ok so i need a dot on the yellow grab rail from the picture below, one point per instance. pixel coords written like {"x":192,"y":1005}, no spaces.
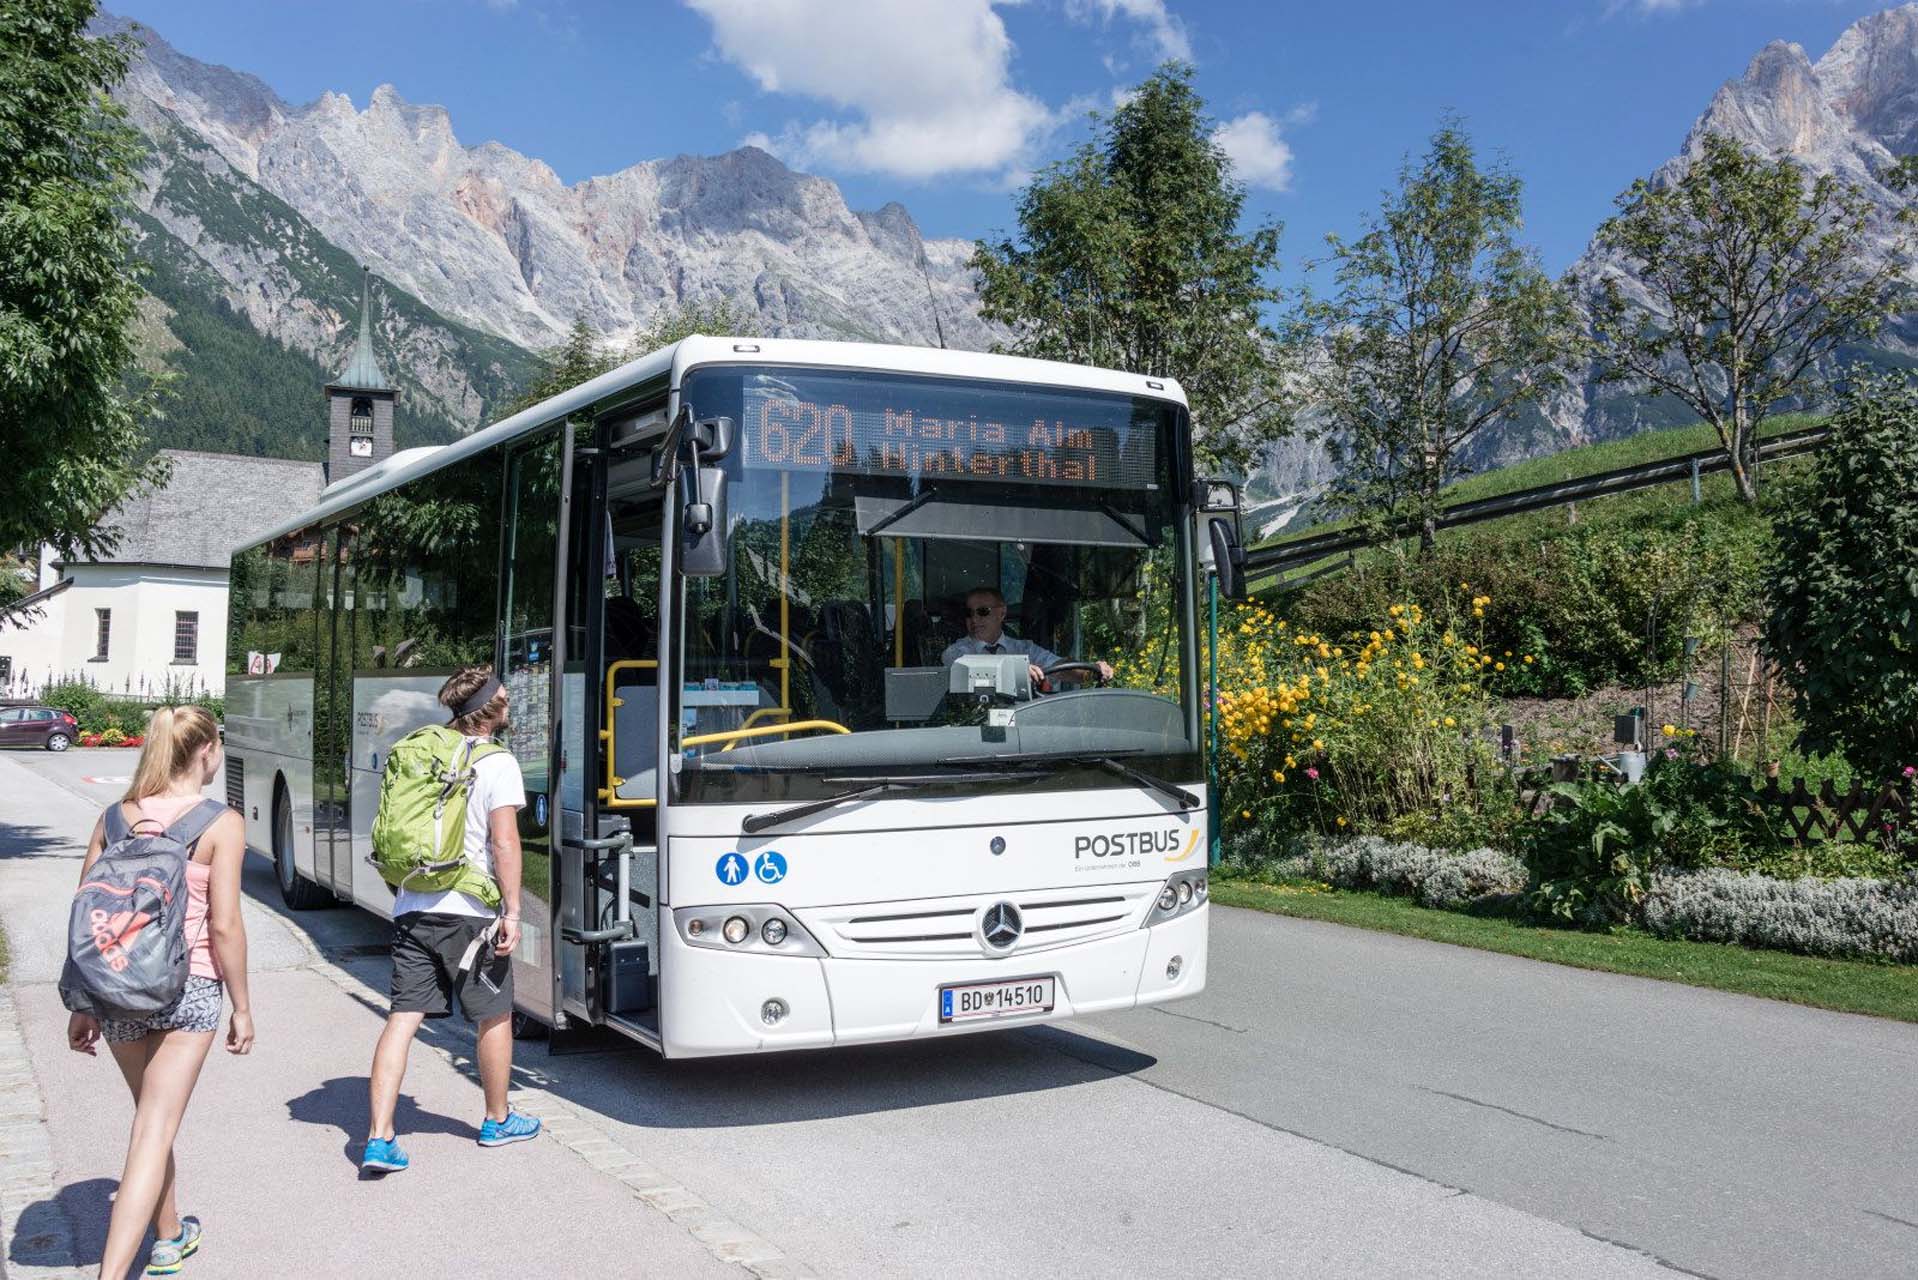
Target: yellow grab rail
{"x":763,"y":713}
{"x":764,"y":730}
{"x":609,"y":794}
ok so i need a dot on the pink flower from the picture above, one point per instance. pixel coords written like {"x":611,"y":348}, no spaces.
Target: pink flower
{"x":1911,"y":770}
{"x":1671,"y":753}
{"x":1312,"y":774}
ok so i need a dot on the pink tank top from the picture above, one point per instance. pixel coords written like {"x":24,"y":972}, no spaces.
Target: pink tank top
{"x":201,"y":962}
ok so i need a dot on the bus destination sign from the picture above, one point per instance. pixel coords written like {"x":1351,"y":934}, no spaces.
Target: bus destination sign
{"x":900,"y":427}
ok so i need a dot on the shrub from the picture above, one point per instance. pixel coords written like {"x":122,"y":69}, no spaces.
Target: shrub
{"x":1578,"y":597}
{"x":1379,"y":730}
{"x":1592,"y":855}
{"x":1446,"y":879}
{"x":1872,"y":919}
{"x":1842,"y":586}
{"x":82,"y":700}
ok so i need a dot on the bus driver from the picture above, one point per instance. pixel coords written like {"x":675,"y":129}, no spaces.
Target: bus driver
{"x":985,"y":633}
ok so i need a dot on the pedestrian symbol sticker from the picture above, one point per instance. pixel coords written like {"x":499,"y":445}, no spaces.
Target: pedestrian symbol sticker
{"x":731,"y":869}
{"x":770,"y":867}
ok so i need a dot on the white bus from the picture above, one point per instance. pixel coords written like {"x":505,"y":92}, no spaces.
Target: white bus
{"x":768,"y":807}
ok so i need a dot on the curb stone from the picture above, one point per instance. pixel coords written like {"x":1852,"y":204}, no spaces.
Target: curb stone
{"x":26,"y":1154}
{"x":725,"y":1239}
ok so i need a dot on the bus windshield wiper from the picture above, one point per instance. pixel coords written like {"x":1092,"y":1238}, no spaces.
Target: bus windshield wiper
{"x":1109,"y":761}
{"x":757,"y":822}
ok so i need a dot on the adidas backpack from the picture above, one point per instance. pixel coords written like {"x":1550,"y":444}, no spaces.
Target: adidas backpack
{"x":126,"y":934}
{"x":419,"y":831}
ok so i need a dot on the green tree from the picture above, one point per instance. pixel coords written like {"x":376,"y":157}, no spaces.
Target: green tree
{"x":581,"y":358}
{"x":1132,"y":258}
{"x":1742,"y":276}
{"x":71,"y":401}
{"x":1842,"y":583}
{"x":1438,"y":323}
{"x":716,"y":317}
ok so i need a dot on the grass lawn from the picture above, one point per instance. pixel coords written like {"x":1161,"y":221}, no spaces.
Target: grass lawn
{"x":1850,"y":986}
{"x":1586,"y":460}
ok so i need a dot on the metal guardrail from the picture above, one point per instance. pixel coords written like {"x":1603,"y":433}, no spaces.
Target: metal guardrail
{"x":1263,"y":562}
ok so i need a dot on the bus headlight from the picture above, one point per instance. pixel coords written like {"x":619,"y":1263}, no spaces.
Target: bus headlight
{"x":1183,"y":891}
{"x":749,"y":928}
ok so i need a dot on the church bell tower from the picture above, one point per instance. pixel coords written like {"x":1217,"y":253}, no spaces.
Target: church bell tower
{"x":359,"y":404}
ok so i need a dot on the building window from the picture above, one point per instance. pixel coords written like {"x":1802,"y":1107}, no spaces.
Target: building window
{"x":103,"y":632}
{"x":186,"y":637}
{"x":6,"y":671}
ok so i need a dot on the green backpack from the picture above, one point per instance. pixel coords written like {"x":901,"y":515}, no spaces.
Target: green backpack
{"x":419,"y":832}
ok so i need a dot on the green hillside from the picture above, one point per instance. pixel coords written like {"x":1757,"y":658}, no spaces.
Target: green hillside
{"x":240,"y":391}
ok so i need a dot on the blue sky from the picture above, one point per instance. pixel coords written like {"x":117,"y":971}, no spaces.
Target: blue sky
{"x":946,"y":105}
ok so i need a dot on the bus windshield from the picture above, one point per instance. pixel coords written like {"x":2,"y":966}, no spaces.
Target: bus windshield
{"x":935,"y":574}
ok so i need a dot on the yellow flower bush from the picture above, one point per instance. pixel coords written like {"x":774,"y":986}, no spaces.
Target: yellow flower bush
{"x":1361,"y":731}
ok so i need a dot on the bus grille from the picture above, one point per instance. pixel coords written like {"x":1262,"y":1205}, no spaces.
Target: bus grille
{"x":947,"y":928}
{"x":236,"y":782}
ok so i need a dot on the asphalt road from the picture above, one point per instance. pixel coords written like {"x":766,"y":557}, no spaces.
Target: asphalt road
{"x":1338,"y":1103}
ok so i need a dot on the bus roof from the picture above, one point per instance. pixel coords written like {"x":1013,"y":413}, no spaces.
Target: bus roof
{"x":689,"y":353}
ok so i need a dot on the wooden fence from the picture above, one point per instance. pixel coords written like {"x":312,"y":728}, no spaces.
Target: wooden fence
{"x":1804,"y":814}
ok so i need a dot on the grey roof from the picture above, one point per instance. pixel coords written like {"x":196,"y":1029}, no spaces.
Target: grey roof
{"x":363,"y":372}
{"x":212,"y":504}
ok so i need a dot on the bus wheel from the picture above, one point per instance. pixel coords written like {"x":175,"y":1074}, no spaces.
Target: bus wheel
{"x":528,"y":1028}
{"x":299,"y":893}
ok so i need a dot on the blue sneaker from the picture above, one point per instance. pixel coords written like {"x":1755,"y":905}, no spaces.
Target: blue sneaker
{"x":168,"y":1256}
{"x":383,"y":1155}
{"x":514,"y":1128}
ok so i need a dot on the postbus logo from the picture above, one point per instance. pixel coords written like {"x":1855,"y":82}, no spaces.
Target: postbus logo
{"x":1176,"y":845}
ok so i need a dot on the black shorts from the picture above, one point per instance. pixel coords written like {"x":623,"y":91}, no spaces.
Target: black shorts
{"x":427,"y":947}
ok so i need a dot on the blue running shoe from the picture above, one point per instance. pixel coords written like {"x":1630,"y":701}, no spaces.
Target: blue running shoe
{"x":514,"y":1128}
{"x":383,"y":1155}
{"x":168,"y":1256}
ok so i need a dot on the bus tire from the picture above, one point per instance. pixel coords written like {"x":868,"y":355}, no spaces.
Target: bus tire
{"x":299,"y":893}
{"x":527,"y":1027}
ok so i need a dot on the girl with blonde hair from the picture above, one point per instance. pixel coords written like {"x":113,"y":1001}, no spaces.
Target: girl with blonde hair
{"x":160,"y":1055}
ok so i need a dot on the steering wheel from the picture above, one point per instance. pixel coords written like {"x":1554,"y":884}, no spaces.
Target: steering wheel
{"x":1082,"y":668}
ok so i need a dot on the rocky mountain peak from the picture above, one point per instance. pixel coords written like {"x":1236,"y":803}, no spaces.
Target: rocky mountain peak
{"x":1871,"y":75}
{"x":494,"y":238}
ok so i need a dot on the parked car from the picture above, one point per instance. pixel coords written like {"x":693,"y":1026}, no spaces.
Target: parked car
{"x":47,"y":727}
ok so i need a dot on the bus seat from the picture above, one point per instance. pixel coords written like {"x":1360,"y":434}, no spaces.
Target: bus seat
{"x":636,"y":740}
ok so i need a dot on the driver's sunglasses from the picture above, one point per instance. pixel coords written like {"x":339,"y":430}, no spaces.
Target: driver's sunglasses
{"x":982,"y":611}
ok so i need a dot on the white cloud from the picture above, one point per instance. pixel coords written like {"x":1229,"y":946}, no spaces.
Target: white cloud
{"x":927,"y":87}
{"x":1648,"y":8}
{"x":1260,"y":157}
{"x":1164,"y":30}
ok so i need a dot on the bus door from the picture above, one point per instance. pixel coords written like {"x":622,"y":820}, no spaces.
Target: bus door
{"x":332,"y":718}
{"x":620,"y":963}
{"x":544,"y":732}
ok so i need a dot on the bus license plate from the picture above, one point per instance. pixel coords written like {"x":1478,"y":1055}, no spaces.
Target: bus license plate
{"x":995,"y":999}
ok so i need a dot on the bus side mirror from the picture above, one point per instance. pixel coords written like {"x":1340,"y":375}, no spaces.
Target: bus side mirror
{"x":714,"y":436}
{"x":703,"y":524}
{"x":1228,"y":557}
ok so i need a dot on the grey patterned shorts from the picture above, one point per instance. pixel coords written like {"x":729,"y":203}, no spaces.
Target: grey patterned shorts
{"x":196,"y":1009}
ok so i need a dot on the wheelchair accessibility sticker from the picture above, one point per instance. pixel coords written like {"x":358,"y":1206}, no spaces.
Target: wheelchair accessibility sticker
{"x":731,"y":869}
{"x":770,"y":867}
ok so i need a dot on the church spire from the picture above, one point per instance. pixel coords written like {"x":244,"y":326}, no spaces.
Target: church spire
{"x":363,"y":371}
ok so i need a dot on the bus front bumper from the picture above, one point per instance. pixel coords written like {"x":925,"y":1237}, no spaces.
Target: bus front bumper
{"x":717,"y":1001}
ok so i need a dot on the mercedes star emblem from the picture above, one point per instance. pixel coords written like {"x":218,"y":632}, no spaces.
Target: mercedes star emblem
{"x":1001,"y":926}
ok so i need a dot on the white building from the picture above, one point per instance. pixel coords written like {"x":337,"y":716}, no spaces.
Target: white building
{"x":149,"y":618}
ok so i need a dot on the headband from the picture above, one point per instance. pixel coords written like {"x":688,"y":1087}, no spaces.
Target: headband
{"x":479,"y":700}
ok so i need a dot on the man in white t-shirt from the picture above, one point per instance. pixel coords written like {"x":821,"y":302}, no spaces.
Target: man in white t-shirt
{"x":449,"y":943}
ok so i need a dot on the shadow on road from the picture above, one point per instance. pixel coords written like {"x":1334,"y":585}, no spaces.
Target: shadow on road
{"x":341,"y":1102}
{"x":18,"y":841}
{"x":643,"y":1089}
{"x":84,"y":1207}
